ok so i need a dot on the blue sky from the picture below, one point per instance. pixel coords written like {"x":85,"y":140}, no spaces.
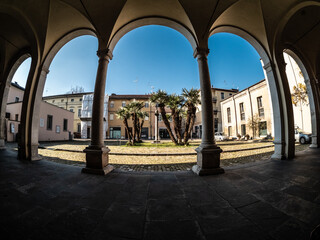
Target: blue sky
{"x":151,"y":58}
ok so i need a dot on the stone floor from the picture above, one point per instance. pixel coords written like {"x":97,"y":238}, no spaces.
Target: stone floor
{"x":270,"y":200}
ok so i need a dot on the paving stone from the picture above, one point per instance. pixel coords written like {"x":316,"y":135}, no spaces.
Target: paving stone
{"x":173,"y":230}
{"x":304,"y":193}
{"x":264,"y":215}
{"x":168,"y":210}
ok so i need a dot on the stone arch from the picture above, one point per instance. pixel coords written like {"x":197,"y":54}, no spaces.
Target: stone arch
{"x":268,"y":66}
{"x":32,"y":128}
{"x":153,"y":21}
{"x":5,"y":91}
{"x":311,"y":95}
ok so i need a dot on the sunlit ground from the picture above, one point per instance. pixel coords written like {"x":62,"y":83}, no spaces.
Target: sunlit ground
{"x":264,"y":151}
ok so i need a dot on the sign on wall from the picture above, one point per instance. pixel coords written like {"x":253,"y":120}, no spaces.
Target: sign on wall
{"x":57,"y":129}
{"x":41,"y":122}
{"x":12,"y":127}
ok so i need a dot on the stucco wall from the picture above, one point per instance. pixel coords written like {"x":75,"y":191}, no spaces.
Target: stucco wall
{"x":59,"y":115}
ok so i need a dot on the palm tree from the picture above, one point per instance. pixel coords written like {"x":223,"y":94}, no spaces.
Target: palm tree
{"x":160,"y":98}
{"x":124,"y":114}
{"x":192,"y":99}
{"x":176,"y":103}
{"x":142,"y":116}
{"x":134,"y":110}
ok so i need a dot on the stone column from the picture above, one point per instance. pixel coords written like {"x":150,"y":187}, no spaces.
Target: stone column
{"x":279,"y":143}
{"x":97,"y":157}
{"x":208,"y":153}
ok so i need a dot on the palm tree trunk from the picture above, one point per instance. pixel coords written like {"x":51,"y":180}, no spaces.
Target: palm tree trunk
{"x":140,"y":129}
{"x":125,"y":122}
{"x":193,"y":115}
{"x":134,"y":128}
{"x":186,"y":131}
{"x":167,"y":124}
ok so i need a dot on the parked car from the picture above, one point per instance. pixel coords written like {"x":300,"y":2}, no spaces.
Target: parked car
{"x":219,"y":136}
{"x":302,"y":137}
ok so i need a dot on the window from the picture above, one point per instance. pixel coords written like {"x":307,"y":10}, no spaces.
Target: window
{"x":242,"y":114}
{"x":112,"y":104}
{"x":260,"y":107}
{"x":263,"y":128}
{"x":57,"y":129}
{"x":229,"y":115}
{"x":79,"y":112}
{"x":79,"y":127}
{"x":17,"y":117}
{"x":80,"y":99}
{"x":222,"y":95}
{"x":72,"y":100}
{"x":230,"y":94}
{"x":123,"y":104}
{"x":8,"y":115}
{"x":146,"y":104}
{"x":111,"y":116}
{"x":65,"y":124}
{"x":216,"y":121}
{"x":243,"y":129}
{"x":62,"y":100}
{"x":71,"y":109}
{"x":146,"y":118}
{"x":229,"y":131}
{"x":160,"y":118}
{"x":215,"y":111}
{"x":49,"y":122}
{"x":17,"y":99}
{"x":53,"y":101}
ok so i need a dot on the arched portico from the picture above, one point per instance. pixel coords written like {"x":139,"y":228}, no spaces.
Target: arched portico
{"x":273,"y":84}
{"x":4,"y":90}
{"x":28,"y":147}
{"x":208,"y":153}
{"x":310,"y":84}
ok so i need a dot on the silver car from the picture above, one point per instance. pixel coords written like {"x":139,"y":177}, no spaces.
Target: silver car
{"x":302,"y":137}
{"x":219,"y":136}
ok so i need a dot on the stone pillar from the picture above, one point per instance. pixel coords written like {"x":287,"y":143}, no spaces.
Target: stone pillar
{"x":279,"y":143}
{"x":208,"y":153}
{"x":97,"y":157}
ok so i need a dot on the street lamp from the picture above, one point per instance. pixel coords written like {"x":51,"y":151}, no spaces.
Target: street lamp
{"x":156,"y":128}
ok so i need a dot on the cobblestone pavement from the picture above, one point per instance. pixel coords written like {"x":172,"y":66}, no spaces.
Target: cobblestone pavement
{"x":272,"y":200}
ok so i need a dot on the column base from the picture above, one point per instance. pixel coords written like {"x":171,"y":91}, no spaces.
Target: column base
{"x":97,"y":161}
{"x":203,"y":172}
{"x":278,"y":155}
{"x":34,"y":153}
{"x":2,"y":144}
{"x":208,"y":160}
{"x":103,"y":171}
{"x":314,"y":142}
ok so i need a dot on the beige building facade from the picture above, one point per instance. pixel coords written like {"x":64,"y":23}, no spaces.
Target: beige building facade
{"x":218,"y":95}
{"x":116,"y":129}
{"x":71,"y":102}
{"x":56,"y":124}
{"x":250,"y":103}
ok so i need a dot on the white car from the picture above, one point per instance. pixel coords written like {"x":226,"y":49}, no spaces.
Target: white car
{"x":219,"y":136}
{"x":301,"y":136}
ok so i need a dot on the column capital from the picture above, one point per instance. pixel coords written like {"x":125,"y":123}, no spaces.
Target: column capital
{"x":45,"y":70}
{"x":105,"y":53}
{"x":200,"y":52}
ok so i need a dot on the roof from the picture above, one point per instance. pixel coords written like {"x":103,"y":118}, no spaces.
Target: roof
{"x":129,"y":96}
{"x":67,"y":95}
{"x":247,"y":88}
{"x":15,"y":84}
{"x":225,"y":90}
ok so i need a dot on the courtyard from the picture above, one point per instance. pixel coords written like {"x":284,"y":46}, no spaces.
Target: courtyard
{"x":158,"y":157}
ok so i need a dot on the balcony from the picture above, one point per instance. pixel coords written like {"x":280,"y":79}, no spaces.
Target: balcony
{"x":214,"y":99}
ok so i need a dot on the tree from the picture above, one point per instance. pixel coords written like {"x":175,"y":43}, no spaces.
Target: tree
{"x":124,"y":114}
{"x":142,"y":116}
{"x":192,"y":99}
{"x":300,"y":97}
{"x":176,"y":103}
{"x":253,"y":124}
{"x":160,"y":98}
